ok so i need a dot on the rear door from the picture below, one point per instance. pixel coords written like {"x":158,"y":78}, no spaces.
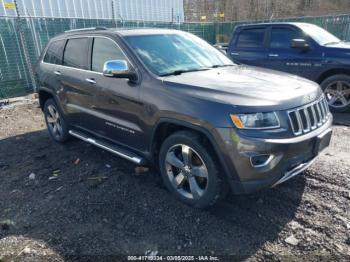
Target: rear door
{"x":47,"y":74}
{"x":282,"y":57}
{"x":249,"y":47}
{"x":77,"y":94}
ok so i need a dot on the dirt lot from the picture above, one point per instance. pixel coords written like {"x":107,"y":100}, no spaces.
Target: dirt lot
{"x":56,"y":207}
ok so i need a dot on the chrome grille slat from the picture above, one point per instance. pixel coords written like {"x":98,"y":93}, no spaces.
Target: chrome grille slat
{"x":326,"y":107}
{"x":319,"y":114}
{"x":307,"y":118}
{"x":299,"y":121}
{"x":321,"y":111}
{"x":324,"y":114}
{"x":314,"y":125}
{"x":295,"y":126}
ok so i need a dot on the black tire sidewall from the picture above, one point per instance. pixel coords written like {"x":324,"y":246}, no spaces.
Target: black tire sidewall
{"x":329,"y":80}
{"x":65,"y":128}
{"x":212,"y":193}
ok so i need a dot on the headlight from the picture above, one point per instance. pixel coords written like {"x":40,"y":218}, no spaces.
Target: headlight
{"x":256,"y":121}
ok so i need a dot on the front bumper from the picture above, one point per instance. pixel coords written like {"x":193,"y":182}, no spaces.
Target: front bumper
{"x":295,"y":171}
{"x":289,"y":157}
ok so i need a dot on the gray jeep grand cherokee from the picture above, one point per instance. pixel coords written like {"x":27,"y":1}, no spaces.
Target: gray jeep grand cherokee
{"x":169,"y":98}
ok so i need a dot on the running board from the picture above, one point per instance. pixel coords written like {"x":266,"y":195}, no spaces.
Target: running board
{"x":109,"y":147}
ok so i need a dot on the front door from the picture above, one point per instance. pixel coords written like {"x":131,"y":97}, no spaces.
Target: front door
{"x":117,"y":104}
{"x":282,"y":57}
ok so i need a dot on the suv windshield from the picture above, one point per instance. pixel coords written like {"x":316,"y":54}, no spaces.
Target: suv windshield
{"x":320,"y":35}
{"x":168,"y":54}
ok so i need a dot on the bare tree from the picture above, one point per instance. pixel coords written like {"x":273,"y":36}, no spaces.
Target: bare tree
{"x":261,"y":9}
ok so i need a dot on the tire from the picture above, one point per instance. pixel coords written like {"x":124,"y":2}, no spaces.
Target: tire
{"x":337,"y":92}
{"x":55,"y":122}
{"x":199,"y":183}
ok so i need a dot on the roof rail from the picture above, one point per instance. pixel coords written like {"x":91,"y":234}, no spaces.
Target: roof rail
{"x":87,"y":29}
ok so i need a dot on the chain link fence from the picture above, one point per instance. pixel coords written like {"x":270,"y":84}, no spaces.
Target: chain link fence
{"x":16,"y":78}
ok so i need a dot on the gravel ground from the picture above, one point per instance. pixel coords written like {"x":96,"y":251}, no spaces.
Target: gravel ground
{"x":77,"y":202}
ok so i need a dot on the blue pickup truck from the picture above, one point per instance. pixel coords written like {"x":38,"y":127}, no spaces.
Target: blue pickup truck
{"x":302,"y":49}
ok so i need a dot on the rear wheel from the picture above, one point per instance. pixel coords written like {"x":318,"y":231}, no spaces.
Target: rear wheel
{"x":189,"y":170}
{"x":337,"y":91}
{"x":56,"y":124}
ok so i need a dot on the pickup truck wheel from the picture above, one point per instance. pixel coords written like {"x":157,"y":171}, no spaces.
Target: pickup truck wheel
{"x":190,"y":171}
{"x":337,"y":91}
{"x":57,"y":126}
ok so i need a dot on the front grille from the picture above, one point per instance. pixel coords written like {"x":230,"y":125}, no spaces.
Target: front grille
{"x":310,"y":117}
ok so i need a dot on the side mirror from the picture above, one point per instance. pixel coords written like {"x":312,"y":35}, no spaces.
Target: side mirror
{"x":222,"y":47}
{"x":299,"y":43}
{"x":118,"y":69}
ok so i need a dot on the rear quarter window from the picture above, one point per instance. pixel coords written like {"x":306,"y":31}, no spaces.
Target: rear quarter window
{"x":76,"y":53}
{"x":251,"y":38}
{"x":54,"y":52}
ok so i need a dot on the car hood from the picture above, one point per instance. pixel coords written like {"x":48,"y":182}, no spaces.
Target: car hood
{"x":342,"y":45}
{"x":248,"y":87}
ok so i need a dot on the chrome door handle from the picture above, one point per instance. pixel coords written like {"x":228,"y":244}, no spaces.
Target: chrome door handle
{"x":58,"y":73}
{"x":235,"y":54}
{"x":90,"y":80}
{"x":274,"y":55}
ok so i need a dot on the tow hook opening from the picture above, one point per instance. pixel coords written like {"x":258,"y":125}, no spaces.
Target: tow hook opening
{"x":259,"y":161}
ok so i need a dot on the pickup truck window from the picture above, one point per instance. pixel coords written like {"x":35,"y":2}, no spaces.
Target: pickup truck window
{"x":54,"y":52}
{"x":282,"y":37}
{"x":176,"y":53}
{"x":103,"y":50}
{"x":75,"y":54}
{"x":251,"y":38}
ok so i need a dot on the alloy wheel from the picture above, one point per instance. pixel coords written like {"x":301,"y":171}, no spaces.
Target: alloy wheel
{"x":186,"y":171}
{"x":338,"y":94}
{"x":54,"y":121}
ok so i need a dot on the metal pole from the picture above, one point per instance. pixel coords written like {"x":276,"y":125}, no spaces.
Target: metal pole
{"x":24,"y":47}
{"x":113,"y":15}
{"x":172,"y":15}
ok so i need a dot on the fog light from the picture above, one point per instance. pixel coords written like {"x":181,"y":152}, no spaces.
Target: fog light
{"x":261,"y":160}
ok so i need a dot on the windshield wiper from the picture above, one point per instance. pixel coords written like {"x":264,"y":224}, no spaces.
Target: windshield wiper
{"x":179,"y":72}
{"x":333,"y":43}
{"x":217,"y":66}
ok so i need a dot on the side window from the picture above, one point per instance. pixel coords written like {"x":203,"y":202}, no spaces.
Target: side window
{"x":76,"y":53}
{"x":282,"y":37}
{"x":251,"y":38}
{"x":54,"y":52}
{"x":103,"y":50}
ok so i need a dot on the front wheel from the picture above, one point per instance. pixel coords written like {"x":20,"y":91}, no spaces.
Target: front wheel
{"x":337,"y":91}
{"x":189,"y":170}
